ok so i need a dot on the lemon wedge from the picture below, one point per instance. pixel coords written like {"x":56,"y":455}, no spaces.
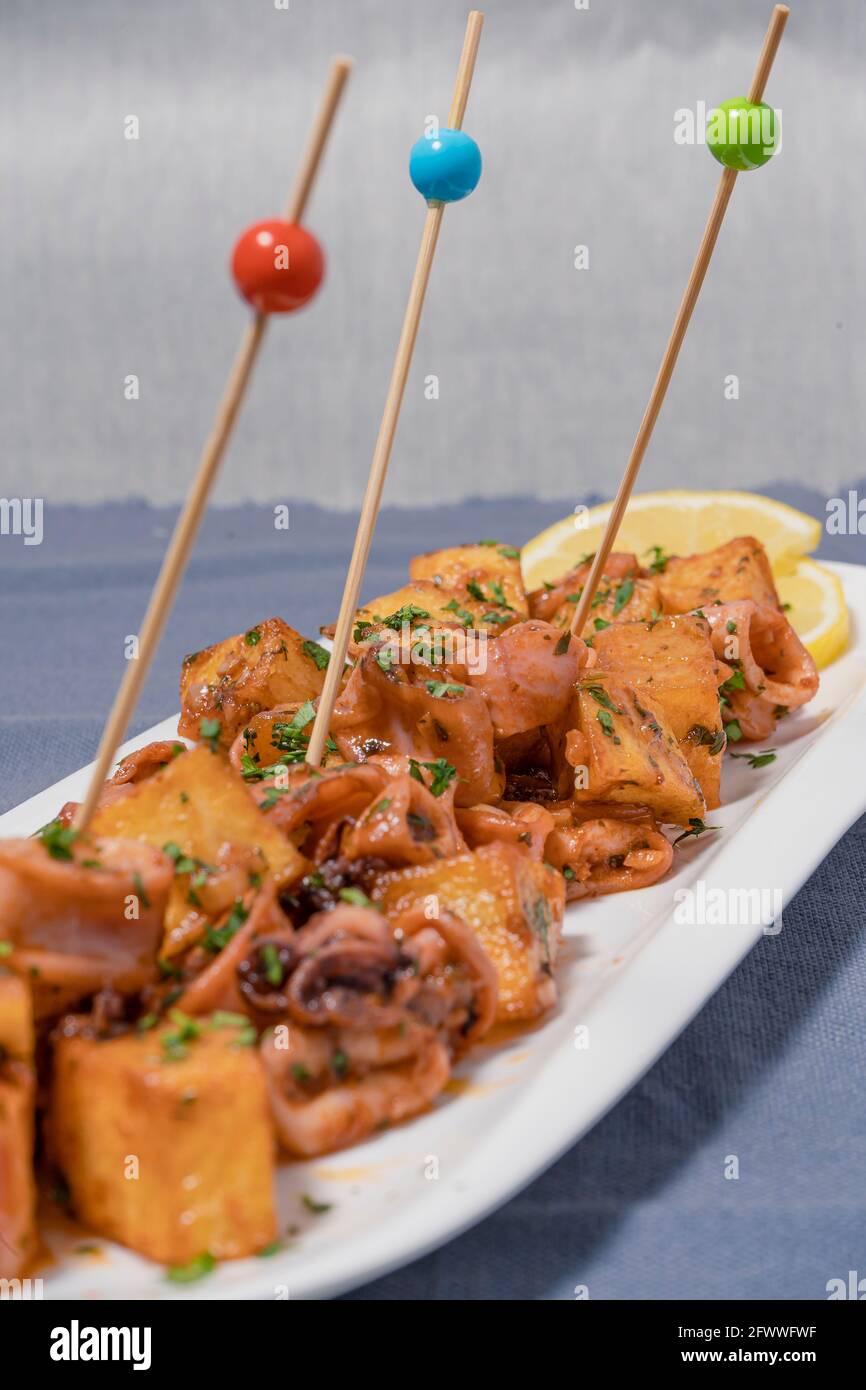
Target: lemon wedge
{"x":682,"y":523}
{"x":816,"y":609}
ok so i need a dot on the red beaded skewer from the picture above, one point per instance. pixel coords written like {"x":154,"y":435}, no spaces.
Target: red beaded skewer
{"x":278,"y":267}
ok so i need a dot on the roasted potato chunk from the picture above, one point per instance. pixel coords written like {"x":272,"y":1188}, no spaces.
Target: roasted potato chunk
{"x":18,"y":1236}
{"x":673,"y":660}
{"x":198,"y":811}
{"x":739,"y":569}
{"x":616,"y":601}
{"x":623,"y":750}
{"x":426,"y":607}
{"x":487,"y":573}
{"x":165,"y":1139}
{"x":514,"y":904}
{"x":269,"y":665}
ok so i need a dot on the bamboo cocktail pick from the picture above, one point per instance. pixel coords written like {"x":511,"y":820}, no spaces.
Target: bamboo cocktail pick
{"x":445,"y":169}
{"x":725,"y":188}
{"x":270,"y":288}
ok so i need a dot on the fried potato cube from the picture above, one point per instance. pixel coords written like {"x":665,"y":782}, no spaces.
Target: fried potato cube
{"x":616,"y":601}
{"x":739,"y":569}
{"x":167,"y":1146}
{"x":18,"y":1235}
{"x":424,"y":604}
{"x":199,"y":807}
{"x":489,"y":574}
{"x":673,"y":660}
{"x":269,"y":665}
{"x":512,"y":903}
{"x":623,"y":750}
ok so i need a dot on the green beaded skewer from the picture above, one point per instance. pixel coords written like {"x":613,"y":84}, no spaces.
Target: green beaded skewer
{"x":733,"y":143}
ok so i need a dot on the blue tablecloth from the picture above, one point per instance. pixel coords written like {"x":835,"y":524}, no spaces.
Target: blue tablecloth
{"x":774,"y":1068}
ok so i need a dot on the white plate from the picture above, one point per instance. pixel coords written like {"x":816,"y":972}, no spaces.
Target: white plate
{"x":630,"y":974}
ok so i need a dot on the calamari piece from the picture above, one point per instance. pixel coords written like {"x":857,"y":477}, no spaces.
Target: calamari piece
{"x":81,"y":914}
{"x":215,"y":834}
{"x":531,"y":671}
{"x":739,"y":569}
{"x":489,"y":574}
{"x":421,"y":712}
{"x":547,"y":601}
{"x":623,"y":749}
{"x":408,"y":824}
{"x":315,"y":1114}
{"x":760,"y":643}
{"x":374,"y":1018}
{"x":609,"y":855}
{"x":144,"y":762}
{"x":525,"y":825}
{"x":749,"y":716}
{"x":209,"y":972}
{"x":672,"y":659}
{"x":307,"y":810}
{"x":227,"y":684}
{"x":512,"y":903}
{"x":18,"y":1234}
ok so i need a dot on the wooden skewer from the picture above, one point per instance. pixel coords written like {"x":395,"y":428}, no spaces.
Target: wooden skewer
{"x":390,"y":415}
{"x":186,"y":527}
{"x":724,"y":190}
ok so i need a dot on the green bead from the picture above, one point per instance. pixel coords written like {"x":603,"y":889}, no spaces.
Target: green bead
{"x":742,"y":134}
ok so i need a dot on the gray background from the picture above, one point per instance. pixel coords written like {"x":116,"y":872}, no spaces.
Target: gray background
{"x":114,"y":252}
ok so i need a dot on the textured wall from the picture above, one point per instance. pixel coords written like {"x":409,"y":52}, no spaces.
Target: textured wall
{"x":114,"y":251}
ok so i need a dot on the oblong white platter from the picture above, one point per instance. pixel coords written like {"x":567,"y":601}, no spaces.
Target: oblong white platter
{"x":632,"y":975}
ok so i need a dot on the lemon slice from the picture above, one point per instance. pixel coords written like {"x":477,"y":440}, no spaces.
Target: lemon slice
{"x":818,"y":612}
{"x":682,"y":523}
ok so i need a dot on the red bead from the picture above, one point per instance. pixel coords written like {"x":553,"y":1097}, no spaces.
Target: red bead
{"x":277,"y":266}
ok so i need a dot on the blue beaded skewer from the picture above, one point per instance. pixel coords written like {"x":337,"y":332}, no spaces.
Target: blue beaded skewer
{"x":443,"y":169}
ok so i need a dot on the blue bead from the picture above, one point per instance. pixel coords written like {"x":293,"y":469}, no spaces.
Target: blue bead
{"x":446,"y":167}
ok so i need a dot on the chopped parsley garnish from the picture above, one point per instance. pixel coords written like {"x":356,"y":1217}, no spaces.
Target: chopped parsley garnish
{"x":508,"y":552}
{"x":253,"y":637}
{"x":218,"y":937}
{"x":140,"y":889}
{"x":194,"y":1269}
{"x":316,"y":654}
{"x":5,"y":948}
{"x":600,"y":624}
{"x":439,"y":689}
{"x":271,"y":961}
{"x":462,"y":613}
{"x":730,"y":625}
{"x":58,"y":839}
{"x":174,"y":1045}
{"x":356,"y":897}
{"x":696,"y":827}
{"x":736,"y":681}
{"x":407,"y":614}
{"x":441,"y":772}
{"x":622,"y":595}
{"x":562,"y":645}
{"x":209,"y":731}
{"x":601,"y":697}
{"x":474,"y":589}
{"x":339,"y":1063}
{"x":733,"y":731}
{"x":658,"y":563}
{"x":385,"y":659}
{"x":758,"y":759}
{"x":317,"y":1208}
{"x":605,"y":719}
